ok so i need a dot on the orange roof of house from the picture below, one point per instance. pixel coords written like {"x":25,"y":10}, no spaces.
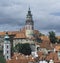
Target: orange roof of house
{"x":57,"y":48}
{"x":46,"y":44}
{"x":40,"y":55}
{"x":36,"y":32}
{"x":20,"y":35}
{"x":2,"y":33}
{"x":45,"y":38}
{"x":9,"y":33}
{"x":53,"y":56}
{"x":20,"y":58}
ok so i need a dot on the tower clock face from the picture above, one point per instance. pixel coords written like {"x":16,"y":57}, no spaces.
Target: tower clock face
{"x":29,"y":32}
{"x":29,"y":18}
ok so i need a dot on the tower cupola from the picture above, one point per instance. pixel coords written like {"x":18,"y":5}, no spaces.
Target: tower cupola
{"x":6,"y":37}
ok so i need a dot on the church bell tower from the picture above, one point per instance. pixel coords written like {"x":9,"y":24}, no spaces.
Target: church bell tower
{"x":7,"y":47}
{"x":29,"y":25}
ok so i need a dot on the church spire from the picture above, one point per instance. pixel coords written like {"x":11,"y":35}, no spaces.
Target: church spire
{"x":29,"y":8}
{"x":29,"y":13}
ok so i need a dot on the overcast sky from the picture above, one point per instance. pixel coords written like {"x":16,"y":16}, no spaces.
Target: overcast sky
{"x":46,"y":14}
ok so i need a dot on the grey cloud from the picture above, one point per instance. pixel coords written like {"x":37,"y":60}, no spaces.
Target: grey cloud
{"x":56,"y":13}
{"x":12,"y":21}
{"x":52,"y":26}
{"x":5,"y":3}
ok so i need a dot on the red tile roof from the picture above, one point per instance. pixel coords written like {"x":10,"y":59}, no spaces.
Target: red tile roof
{"x":20,"y":35}
{"x":45,"y":38}
{"x":57,"y":48}
{"x":19,"y":58}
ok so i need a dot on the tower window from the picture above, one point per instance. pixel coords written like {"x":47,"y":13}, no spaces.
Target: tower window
{"x":32,"y":28}
{"x":7,"y":51}
{"x":7,"y":57}
{"x":7,"y":46}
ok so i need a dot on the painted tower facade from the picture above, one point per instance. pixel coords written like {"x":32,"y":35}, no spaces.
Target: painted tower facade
{"x":7,"y":47}
{"x":29,"y":25}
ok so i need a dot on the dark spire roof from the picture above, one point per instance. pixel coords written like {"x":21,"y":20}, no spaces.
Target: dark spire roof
{"x":29,"y":12}
{"x":29,"y":19}
{"x":29,"y":8}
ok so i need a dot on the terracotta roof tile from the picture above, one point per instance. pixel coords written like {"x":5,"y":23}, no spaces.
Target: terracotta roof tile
{"x":20,"y":35}
{"x":58,"y":37}
{"x":45,"y":38}
{"x":23,"y":59}
{"x":2,"y":33}
{"x":36,"y":32}
{"x":9,"y":33}
{"x":20,"y":59}
{"x":57,"y":48}
{"x":46,"y":45}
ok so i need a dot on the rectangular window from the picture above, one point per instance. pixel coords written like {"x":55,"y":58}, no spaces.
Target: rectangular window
{"x":7,"y":57}
{"x":7,"y":51}
{"x":7,"y":46}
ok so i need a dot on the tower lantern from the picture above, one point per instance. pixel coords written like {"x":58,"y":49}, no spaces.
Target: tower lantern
{"x":7,"y":47}
{"x":29,"y":25}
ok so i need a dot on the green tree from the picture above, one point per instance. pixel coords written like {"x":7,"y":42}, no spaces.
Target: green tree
{"x":41,"y":34}
{"x":23,"y":48}
{"x":52,"y":37}
{"x":2,"y":59}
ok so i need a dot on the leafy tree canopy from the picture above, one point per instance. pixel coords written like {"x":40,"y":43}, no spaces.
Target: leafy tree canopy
{"x":23,"y":48}
{"x":2,"y":60}
{"x":52,"y":37}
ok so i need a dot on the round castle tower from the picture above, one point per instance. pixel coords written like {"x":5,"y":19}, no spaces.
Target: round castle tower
{"x":29,"y":25}
{"x":7,"y":47}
